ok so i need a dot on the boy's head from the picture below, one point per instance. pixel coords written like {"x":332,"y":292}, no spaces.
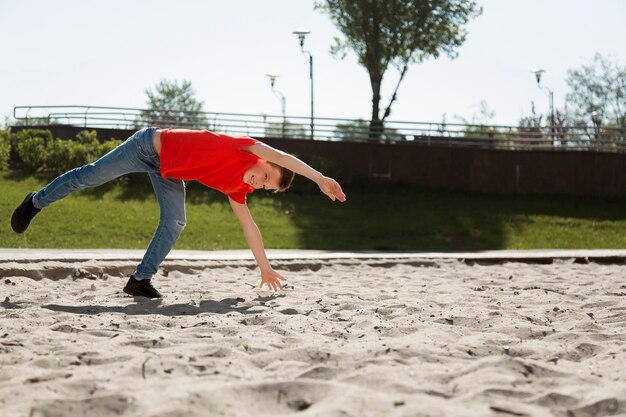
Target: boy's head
{"x":269,"y":176}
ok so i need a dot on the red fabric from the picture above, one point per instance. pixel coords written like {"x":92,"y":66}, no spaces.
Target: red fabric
{"x":216,"y":160}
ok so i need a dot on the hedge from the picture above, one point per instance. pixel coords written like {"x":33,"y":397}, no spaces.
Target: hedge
{"x":5,"y":149}
{"x":37,"y":152}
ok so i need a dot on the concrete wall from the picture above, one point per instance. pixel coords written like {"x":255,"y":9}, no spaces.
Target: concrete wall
{"x":480,"y":170}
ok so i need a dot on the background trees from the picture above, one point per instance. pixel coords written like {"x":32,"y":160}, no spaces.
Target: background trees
{"x":594,"y":111}
{"x":171,"y":104}
{"x":398,"y":33}
{"x":598,"y":93}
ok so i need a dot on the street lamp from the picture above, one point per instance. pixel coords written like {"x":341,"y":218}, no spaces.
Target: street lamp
{"x":538,"y":72}
{"x":273,"y":76}
{"x":302,"y":32}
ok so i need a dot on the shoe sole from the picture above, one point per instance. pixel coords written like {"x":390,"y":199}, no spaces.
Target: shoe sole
{"x":129,"y":292}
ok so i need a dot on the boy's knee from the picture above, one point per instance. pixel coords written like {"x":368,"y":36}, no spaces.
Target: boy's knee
{"x":175,"y":226}
{"x":78,"y":178}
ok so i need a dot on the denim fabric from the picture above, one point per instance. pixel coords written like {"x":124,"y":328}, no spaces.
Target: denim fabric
{"x":136,"y":154}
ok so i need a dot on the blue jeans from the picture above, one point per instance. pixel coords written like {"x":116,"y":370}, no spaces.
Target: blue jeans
{"x":136,"y":154}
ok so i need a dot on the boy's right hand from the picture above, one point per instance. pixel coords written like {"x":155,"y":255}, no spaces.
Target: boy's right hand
{"x":332,"y":189}
{"x":271,"y":278}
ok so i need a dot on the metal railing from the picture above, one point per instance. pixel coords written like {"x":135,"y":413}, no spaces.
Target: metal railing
{"x":587,"y":138}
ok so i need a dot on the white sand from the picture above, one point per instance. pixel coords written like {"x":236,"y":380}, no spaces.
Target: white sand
{"x":346,"y":338}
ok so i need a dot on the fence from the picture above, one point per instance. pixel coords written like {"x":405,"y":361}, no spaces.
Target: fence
{"x":558,"y":138}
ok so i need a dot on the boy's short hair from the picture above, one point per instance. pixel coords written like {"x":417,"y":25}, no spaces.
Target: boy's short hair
{"x":286,"y":177}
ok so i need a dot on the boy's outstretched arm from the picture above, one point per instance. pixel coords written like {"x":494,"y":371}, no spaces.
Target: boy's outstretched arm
{"x":329,"y":186}
{"x":255,"y":241}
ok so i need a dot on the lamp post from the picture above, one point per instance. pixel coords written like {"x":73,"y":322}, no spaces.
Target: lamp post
{"x":264,"y":115}
{"x":538,"y":72}
{"x":302,"y":32}
{"x":283,"y":102}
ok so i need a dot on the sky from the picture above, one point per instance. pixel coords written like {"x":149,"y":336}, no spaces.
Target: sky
{"x":107,"y":53}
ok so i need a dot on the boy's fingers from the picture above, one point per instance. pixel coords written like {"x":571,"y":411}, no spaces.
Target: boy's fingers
{"x":338,"y":191}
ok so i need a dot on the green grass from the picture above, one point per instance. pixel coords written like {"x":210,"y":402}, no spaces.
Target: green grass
{"x":374,"y":217}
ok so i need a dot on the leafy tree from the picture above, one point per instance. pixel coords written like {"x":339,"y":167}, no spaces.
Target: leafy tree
{"x":529,"y":130}
{"x":480,"y":126}
{"x":484,"y":116}
{"x":599,"y":87}
{"x":397,"y":33}
{"x":358,"y":130}
{"x":287,"y":130}
{"x":171,"y":104}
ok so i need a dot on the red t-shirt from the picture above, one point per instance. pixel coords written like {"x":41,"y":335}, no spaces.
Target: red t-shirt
{"x":216,"y":160}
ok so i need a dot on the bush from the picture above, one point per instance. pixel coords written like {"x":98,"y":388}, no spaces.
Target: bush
{"x":63,"y":155}
{"x":89,"y":139}
{"x":5,"y":149}
{"x":32,"y":148}
{"x":41,"y":154}
{"x":106,"y":147}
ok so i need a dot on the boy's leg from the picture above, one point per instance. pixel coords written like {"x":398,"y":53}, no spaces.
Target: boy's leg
{"x":136,"y":154}
{"x":170,"y":194}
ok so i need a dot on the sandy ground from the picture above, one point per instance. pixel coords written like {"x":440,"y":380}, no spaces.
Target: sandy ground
{"x":349,"y":337}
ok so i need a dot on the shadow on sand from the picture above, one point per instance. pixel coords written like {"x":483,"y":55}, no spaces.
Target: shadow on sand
{"x":151,"y":307}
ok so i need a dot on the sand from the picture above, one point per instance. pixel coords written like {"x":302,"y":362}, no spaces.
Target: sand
{"x":347,"y":337}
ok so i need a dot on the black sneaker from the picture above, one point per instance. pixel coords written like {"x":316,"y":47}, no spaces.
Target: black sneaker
{"x":141,"y":288}
{"x":23,"y":214}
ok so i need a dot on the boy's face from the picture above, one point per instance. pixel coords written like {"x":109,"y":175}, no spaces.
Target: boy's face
{"x":262,"y":175}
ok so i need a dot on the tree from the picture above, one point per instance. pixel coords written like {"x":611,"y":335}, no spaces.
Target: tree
{"x":174,"y":105}
{"x":357,"y":130}
{"x":530,"y":131}
{"x":480,"y":126}
{"x":598,"y":91}
{"x":397,"y":33}
{"x":286,"y":130}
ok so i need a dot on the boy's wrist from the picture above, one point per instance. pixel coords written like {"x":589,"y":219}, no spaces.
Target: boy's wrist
{"x":318,"y":177}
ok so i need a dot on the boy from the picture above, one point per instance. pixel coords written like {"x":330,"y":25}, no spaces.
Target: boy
{"x":232,"y":165}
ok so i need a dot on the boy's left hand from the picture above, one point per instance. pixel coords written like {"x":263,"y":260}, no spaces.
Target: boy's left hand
{"x":332,"y":189}
{"x":271,"y":278}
